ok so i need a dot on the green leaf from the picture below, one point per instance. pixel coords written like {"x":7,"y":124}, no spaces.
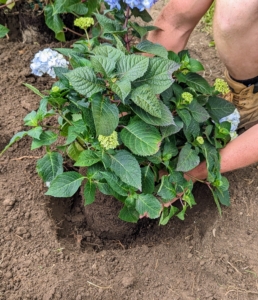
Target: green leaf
{"x":167,"y":214}
{"x":149,"y":47}
{"x":159,"y":74}
{"x":198,"y":112}
{"x":35,"y":132}
{"x":74,"y":131}
{"x":54,"y":22}
{"x":166,"y":118}
{"x":142,"y":31}
{"x":129,"y":214}
{"x":78,"y":8}
{"x":188,"y":159}
{"x":3,"y":31}
{"x":65,"y":184}
{"x":169,"y":148}
{"x":74,"y":150}
{"x":49,"y":166}
{"x":223,"y":196}
{"x":172,"y":129}
{"x":15,"y":138}
{"x":103,"y":65}
{"x":198,"y":83}
{"x":148,"y":179}
{"x":89,"y":192}
{"x":144,"y":97}
{"x":149,"y":206}
{"x":111,"y":53}
{"x":34,"y":90}
{"x":142,"y":139}
{"x":167,"y":190}
{"x":126,"y":167}
{"x":31,"y":119}
{"x":185,"y":116}
{"x":105,"y":115}
{"x":195,"y":65}
{"x":87,"y":158}
{"x":116,"y":184}
{"x":121,"y":88}
{"x":108,"y":25}
{"x":84,"y":81}
{"x":144,"y":15}
{"x":46,"y":138}
{"x":132,"y":67}
{"x":219,"y":108}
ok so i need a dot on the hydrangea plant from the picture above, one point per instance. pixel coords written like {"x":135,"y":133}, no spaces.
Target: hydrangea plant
{"x":126,"y":117}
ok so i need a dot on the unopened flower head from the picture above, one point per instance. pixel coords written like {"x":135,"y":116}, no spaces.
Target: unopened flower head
{"x":221,"y":86}
{"x":84,"y":23}
{"x":140,"y":4}
{"x":44,"y":62}
{"x":109,"y":142}
{"x":187,"y":97}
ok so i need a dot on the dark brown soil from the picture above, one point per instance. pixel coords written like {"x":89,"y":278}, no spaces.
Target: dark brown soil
{"x":48,"y":251}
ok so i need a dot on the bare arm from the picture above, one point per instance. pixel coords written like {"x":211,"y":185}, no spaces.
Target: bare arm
{"x":241,"y":152}
{"x":176,"y":21}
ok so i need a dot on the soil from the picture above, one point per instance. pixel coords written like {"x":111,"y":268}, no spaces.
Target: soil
{"x":48,"y":250}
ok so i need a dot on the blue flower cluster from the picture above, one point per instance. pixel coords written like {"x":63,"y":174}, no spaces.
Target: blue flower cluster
{"x":44,"y":61}
{"x":140,"y":4}
{"x":233,"y":118}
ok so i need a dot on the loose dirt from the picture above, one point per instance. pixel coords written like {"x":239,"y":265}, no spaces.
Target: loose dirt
{"x":48,"y":251}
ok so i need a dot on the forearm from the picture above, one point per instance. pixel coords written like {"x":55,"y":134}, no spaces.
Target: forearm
{"x":240,"y":153}
{"x":176,"y":22}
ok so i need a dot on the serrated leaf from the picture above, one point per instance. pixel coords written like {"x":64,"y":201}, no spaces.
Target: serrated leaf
{"x":185,"y":116}
{"x":121,"y":88}
{"x":167,"y":214}
{"x":148,"y":179}
{"x":105,"y":115}
{"x":188,"y":159}
{"x":219,"y":108}
{"x":109,"y":52}
{"x":167,"y":190}
{"x":34,"y":90}
{"x":15,"y":138}
{"x":46,"y":138}
{"x":115,"y":183}
{"x":74,"y":150}
{"x":144,"y":97}
{"x":103,"y":65}
{"x":54,"y":22}
{"x":195,"y":65}
{"x":3,"y":31}
{"x":142,"y":31}
{"x":149,"y":47}
{"x":84,"y":81}
{"x":74,"y":131}
{"x":166,"y":118}
{"x":132,"y":67}
{"x":159,"y":74}
{"x":198,"y":83}
{"x":149,"y":206}
{"x":129,"y":214}
{"x":89,"y":192}
{"x":50,"y":166}
{"x":126,"y":167}
{"x":87,"y":158}
{"x":142,"y":139}
{"x":78,"y":8}
{"x":31,"y":119}
{"x":172,"y":129}
{"x":65,"y":184}
{"x":108,"y":25}
{"x":35,"y":132}
{"x":198,"y":112}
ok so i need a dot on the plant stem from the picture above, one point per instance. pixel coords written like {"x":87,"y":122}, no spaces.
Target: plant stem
{"x":68,"y":29}
{"x":5,"y":5}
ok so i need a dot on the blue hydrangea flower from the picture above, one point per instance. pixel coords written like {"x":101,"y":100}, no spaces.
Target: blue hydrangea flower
{"x":44,"y":61}
{"x":233,"y":118}
{"x":140,"y":4}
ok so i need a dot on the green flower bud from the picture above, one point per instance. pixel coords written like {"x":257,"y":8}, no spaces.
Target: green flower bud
{"x":221,"y":86}
{"x":200,"y":140}
{"x":187,"y":97}
{"x":185,"y":71}
{"x":83,"y":22}
{"x":223,"y":131}
{"x":109,"y":142}
{"x":55,"y":89}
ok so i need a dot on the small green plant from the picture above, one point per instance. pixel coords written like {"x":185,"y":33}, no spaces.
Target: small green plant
{"x":207,"y":19}
{"x":125,"y":117}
